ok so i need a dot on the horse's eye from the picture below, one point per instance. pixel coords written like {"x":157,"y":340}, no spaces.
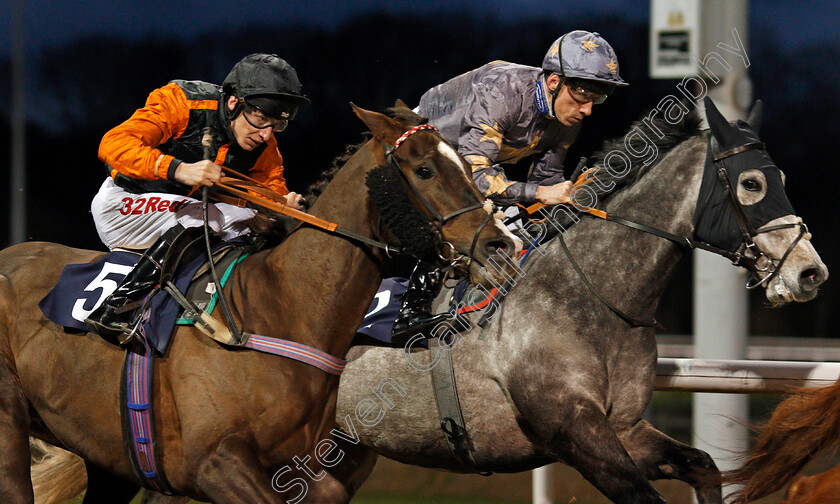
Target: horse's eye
{"x":424,"y":172}
{"x":751,"y":185}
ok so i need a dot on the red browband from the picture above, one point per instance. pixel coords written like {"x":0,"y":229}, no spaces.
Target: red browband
{"x":413,"y":131}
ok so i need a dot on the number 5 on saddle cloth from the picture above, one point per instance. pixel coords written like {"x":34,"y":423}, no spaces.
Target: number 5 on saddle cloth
{"x":82,"y":287}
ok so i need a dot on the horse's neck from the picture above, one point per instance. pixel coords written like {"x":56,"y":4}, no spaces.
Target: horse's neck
{"x":317,"y":285}
{"x":632,"y":267}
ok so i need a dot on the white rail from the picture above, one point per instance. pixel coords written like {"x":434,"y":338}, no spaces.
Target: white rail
{"x":742,"y":376}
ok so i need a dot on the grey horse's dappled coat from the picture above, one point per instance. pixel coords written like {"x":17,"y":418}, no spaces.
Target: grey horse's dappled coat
{"x":570,"y":380}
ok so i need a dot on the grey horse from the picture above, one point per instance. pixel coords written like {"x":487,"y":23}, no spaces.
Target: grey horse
{"x":558,"y":376}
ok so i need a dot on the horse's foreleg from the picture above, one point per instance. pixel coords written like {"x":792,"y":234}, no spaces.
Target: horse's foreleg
{"x":233,"y":475}
{"x":150,"y":497}
{"x":660,"y":457}
{"x":587,"y":442}
{"x":344,"y":479}
{"x":15,"y":483}
{"x":105,"y":488}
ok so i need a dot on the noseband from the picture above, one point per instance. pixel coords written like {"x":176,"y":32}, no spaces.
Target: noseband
{"x":762,"y":267}
{"x":447,"y":253}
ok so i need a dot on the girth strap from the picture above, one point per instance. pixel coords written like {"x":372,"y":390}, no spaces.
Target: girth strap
{"x":296,"y":351}
{"x":138,"y":418}
{"x":275,"y":346}
{"x":449,"y":407}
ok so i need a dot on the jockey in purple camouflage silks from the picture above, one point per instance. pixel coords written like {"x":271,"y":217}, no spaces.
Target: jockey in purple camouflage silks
{"x":503,"y":112}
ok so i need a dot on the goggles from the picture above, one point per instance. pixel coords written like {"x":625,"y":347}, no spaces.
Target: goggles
{"x":582,"y":95}
{"x":257,"y":118}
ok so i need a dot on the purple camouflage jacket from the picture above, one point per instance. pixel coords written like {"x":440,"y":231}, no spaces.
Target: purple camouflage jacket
{"x":498,"y":114}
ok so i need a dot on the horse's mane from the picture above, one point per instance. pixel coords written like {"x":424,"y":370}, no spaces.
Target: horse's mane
{"x":672,"y":135}
{"x":270,"y":232}
{"x":400,"y":112}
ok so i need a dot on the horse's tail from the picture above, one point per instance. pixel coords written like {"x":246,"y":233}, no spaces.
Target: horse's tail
{"x":802,"y":425}
{"x":57,"y":475}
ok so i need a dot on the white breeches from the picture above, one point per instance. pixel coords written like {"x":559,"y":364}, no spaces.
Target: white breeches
{"x":135,"y":221}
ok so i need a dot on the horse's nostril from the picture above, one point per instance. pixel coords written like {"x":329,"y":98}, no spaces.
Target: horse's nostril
{"x":497,"y":246}
{"x":810,"y":278}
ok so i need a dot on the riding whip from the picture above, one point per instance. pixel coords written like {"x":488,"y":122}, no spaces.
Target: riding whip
{"x":206,"y":141}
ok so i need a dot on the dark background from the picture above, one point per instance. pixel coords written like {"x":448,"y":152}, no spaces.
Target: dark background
{"x":85,"y":76}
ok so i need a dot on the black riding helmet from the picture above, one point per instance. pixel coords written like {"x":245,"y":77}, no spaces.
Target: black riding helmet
{"x":267,"y":82}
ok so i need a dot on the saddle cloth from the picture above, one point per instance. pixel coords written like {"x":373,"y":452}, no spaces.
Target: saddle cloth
{"x":380,"y":318}
{"x":379,"y":321}
{"x":81,"y":288}
{"x":463,"y":300}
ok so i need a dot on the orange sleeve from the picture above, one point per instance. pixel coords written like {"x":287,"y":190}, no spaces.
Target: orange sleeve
{"x":269,"y":168}
{"x":131,"y":147}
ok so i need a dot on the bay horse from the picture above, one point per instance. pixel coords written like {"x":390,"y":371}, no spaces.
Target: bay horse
{"x":226,"y":420}
{"x":804,"y":425}
{"x":560,"y":377}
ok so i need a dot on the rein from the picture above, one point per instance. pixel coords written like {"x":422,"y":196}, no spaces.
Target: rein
{"x":242,"y":187}
{"x":238,"y":184}
{"x":238,"y":335}
{"x":749,"y":258}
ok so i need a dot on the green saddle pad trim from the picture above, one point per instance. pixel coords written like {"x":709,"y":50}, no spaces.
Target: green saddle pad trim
{"x":215,"y":298}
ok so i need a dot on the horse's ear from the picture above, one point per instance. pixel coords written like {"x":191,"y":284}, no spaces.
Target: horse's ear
{"x":399,"y":104}
{"x":756,"y":115}
{"x":382,"y":126}
{"x":720,"y":127}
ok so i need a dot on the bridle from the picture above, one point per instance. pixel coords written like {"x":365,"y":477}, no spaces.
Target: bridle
{"x":762,"y":267}
{"x":242,"y":188}
{"x":447,"y":252}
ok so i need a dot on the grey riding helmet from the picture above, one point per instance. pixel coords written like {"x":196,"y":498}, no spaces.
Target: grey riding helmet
{"x":583,"y":55}
{"x":267,"y":82}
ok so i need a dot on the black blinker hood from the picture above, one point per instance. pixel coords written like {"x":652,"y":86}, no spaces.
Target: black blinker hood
{"x":715,"y":219}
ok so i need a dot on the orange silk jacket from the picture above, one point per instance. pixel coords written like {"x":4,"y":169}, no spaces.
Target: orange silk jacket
{"x":142,"y":153}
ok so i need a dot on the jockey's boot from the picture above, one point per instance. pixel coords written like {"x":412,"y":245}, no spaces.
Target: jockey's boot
{"x":117,"y":315}
{"x":415,"y":315}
